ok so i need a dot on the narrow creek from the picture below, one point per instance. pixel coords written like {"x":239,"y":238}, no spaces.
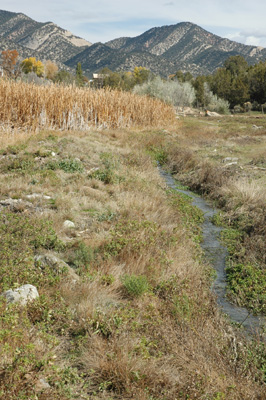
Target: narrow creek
{"x":216,"y":254}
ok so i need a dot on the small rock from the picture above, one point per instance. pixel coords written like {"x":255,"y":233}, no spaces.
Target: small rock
{"x":211,"y":114}
{"x":68,"y":224}
{"x":230,"y":159}
{"x":7,"y":202}
{"x":41,"y":385}
{"x":38,"y":195}
{"x":21,"y":295}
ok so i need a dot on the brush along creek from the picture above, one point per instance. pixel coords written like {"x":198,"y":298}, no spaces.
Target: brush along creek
{"x":216,"y":254}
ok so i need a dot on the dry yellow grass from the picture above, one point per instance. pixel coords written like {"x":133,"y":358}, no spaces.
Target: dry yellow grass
{"x":38,"y":107}
{"x":93,"y":337}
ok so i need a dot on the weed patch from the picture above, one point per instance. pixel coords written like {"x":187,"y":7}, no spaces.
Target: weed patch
{"x":135,"y":286}
{"x":159,"y":154}
{"x":142,"y":242}
{"x":182,"y":306}
{"x":23,"y":164}
{"x":107,"y":174}
{"x":247,"y":285}
{"x":80,"y":256}
{"x":21,"y":237}
{"x":191,"y":216}
{"x":67,"y":165}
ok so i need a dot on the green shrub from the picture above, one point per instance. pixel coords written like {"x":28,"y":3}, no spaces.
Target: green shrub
{"x":213,"y":102}
{"x":135,"y":285}
{"x":158,"y":153}
{"x":107,"y":173}
{"x":80,"y":256}
{"x":179,"y":94}
{"x":21,"y":163}
{"x":68,"y":165}
{"x":107,"y":279}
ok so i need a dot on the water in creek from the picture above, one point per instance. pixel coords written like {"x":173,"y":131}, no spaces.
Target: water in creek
{"x":216,"y":254}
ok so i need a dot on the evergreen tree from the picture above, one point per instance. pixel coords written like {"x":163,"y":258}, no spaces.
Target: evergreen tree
{"x":65,"y":77}
{"x":257,"y":82}
{"x":231,"y":81}
{"x":198,"y":85}
{"x":79,"y":75}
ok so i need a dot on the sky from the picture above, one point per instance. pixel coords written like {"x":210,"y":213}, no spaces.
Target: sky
{"x":103,"y":20}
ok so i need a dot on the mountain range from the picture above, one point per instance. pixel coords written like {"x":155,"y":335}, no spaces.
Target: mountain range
{"x":164,"y":50}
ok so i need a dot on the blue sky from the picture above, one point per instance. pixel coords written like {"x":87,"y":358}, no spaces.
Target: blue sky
{"x":103,"y":20}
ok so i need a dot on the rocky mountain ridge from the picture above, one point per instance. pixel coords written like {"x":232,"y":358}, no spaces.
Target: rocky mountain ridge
{"x":188,"y":47}
{"x":47,"y":40}
{"x":163,"y":50}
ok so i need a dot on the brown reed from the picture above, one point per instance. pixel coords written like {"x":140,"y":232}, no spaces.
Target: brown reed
{"x":35,"y":107}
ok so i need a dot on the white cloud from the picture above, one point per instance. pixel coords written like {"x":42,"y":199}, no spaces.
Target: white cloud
{"x":253,"y":41}
{"x":252,"y":38}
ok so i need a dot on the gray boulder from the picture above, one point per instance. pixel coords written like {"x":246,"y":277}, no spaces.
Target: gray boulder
{"x":55,"y":264}
{"x":51,"y":261}
{"x":22,"y":295}
{"x":211,"y":114}
{"x":19,"y":205}
{"x":68,"y":224}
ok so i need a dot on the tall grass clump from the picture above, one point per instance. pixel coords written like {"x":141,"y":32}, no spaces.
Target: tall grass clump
{"x":33,"y":107}
{"x":176,"y":93}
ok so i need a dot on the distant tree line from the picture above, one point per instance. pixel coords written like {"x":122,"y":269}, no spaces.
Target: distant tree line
{"x":125,"y":80}
{"x":239,"y":83}
{"x":236,"y":85}
{"x":33,"y":70}
{"x":236,"y":82}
